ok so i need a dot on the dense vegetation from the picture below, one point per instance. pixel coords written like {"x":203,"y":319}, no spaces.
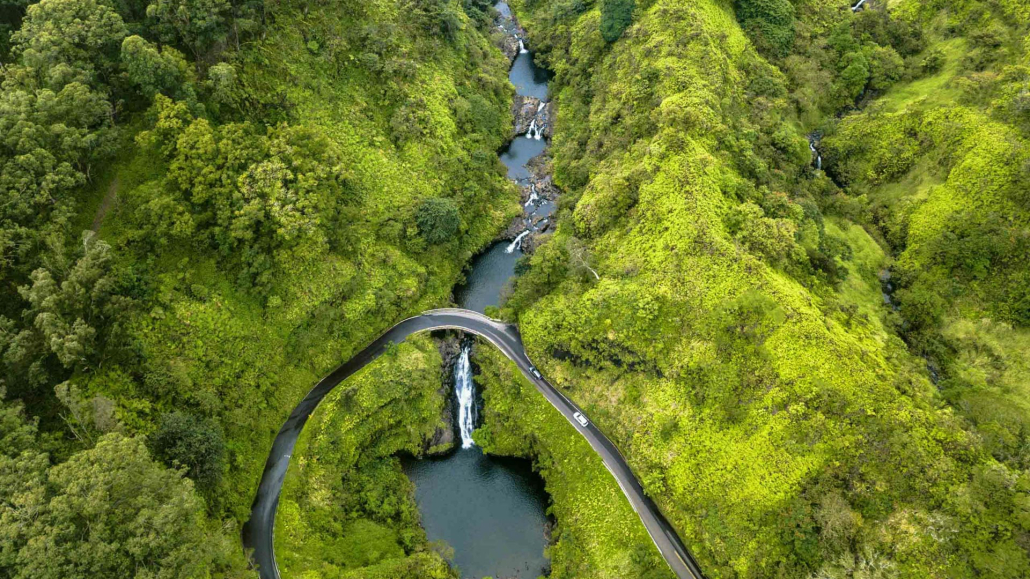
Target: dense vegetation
{"x":737,"y":345}
{"x":205,"y":206}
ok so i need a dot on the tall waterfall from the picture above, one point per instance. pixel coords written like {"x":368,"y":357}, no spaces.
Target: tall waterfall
{"x":465,"y":392}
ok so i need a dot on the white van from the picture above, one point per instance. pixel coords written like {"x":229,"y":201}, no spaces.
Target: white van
{"x":582,"y":420}
{"x":535,"y":372}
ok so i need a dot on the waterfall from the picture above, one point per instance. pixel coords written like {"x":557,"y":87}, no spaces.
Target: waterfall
{"x":818,"y":157}
{"x":465,"y":392}
{"x":522,"y":47}
{"x":540,"y":107}
{"x":517,"y":244}
{"x":857,"y":6}
{"x":532,"y":127}
{"x":532,"y":195}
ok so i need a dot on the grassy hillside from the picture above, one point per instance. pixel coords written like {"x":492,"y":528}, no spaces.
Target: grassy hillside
{"x":950,"y":201}
{"x":736,"y":345}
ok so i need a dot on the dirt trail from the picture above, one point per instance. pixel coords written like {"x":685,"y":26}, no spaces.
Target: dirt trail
{"x":105,"y":205}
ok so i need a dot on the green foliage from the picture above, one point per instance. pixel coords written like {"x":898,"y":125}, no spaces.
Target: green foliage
{"x":346,"y":504}
{"x":262,"y":199}
{"x":197,"y":24}
{"x":785,"y":429}
{"x":193,"y":443}
{"x":108,"y":510}
{"x":438,"y":220}
{"x":616,"y":16}
{"x":769,"y":22}
{"x":154,"y":70}
{"x":437,"y":17}
{"x":83,"y":34}
{"x":71,"y":310}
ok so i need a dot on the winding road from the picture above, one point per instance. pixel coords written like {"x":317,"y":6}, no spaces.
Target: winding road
{"x":258,"y":531}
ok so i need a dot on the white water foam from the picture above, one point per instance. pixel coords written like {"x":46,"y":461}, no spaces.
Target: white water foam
{"x":465,"y":392}
{"x":517,"y":244}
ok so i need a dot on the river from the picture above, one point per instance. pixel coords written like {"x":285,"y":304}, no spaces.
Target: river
{"x":492,"y":510}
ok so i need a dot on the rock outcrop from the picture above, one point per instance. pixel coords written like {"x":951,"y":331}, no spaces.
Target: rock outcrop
{"x":445,"y":437}
{"x":532,"y":114}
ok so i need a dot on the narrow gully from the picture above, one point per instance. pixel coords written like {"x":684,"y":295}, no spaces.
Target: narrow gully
{"x":492,"y":510}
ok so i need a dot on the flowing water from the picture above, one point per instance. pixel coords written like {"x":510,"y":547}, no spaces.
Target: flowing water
{"x":491,"y":510}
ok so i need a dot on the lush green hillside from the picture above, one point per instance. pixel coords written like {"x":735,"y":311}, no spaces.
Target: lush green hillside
{"x":736,"y":344}
{"x":950,"y":199}
{"x":207,"y":205}
{"x":273,"y":185}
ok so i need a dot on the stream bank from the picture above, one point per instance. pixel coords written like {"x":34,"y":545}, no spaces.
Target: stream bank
{"x":493,"y":510}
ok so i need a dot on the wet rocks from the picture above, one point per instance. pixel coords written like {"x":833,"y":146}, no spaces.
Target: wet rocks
{"x":532,"y":116}
{"x":509,"y":45}
{"x":510,"y":37}
{"x":444,"y":437}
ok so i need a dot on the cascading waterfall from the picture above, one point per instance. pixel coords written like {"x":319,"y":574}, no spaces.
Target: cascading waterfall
{"x":522,"y":47}
{"x":533,"y":132}
{"x":533,"y":197}
{"x":540,"y":107}
{"x":517,"y":244}
{"x":465,"y":391}
{"x":818,"y":157}
{"x":857,"y":6}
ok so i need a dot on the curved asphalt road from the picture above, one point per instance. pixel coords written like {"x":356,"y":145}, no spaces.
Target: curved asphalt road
{"x":257,"y":532}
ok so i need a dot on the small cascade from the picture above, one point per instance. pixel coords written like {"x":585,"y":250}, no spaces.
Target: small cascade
{"x":540,"y":107}
{"x":815,"y":153}
{"x":534,"y":132}
{"x":522,"y":47}
{"x":533,"y":197}
{"x":517,"y":243}
{"x":857,"y":6}
{"x":465,"y":392}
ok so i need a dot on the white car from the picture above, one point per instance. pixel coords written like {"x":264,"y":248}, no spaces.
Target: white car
{"x":535,"y":372}
{"x":582,"y":420}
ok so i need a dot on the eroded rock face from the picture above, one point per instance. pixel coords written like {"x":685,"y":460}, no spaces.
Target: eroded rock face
{"x":509,"y":45}
{"x":444,"y":438}
{"x":510,"y":34}
{"x":532,"y":113}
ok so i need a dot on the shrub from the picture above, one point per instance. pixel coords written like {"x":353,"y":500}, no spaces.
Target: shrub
{"x":191,"y":442}
{"x":769,"y":22}
{"x":437,"y":220}
{"x":616,"y":16}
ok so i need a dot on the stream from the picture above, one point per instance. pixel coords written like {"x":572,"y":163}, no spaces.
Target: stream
{"x":492,"y":510}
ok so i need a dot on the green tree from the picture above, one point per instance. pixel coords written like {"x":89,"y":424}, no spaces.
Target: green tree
{"x":853,"y":76}
{"x":111,"y":511}
{"x":438,"y":220}
{"x":769,"y":22}
{"x":886,"y":67}
{"x":71,"y":309}
{"x":154,"y":70}
{"x":259,"y":200}
{"x":83,"y":34}
{"x":199,"y":25}
{"x":616,"y":16}
{"x":191,"y":442}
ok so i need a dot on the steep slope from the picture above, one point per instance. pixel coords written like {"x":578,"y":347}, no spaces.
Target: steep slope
{"x":731,"y":344}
